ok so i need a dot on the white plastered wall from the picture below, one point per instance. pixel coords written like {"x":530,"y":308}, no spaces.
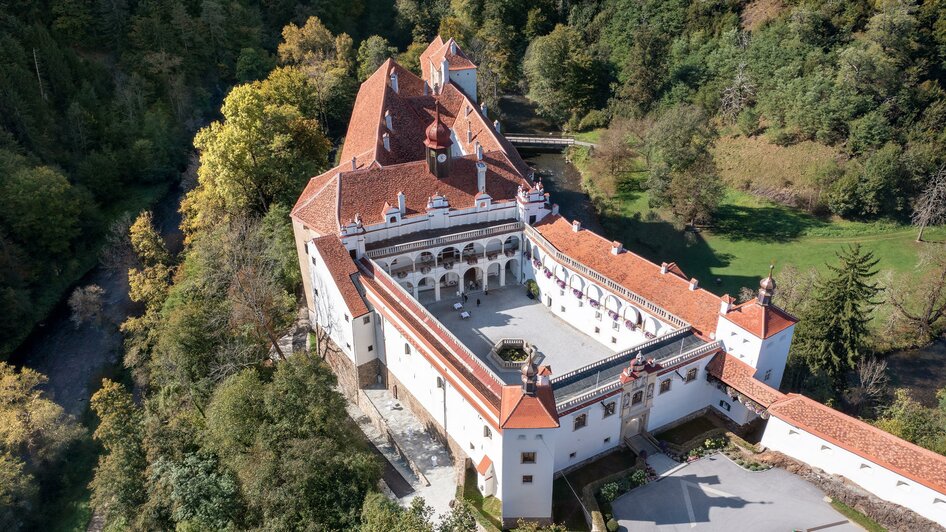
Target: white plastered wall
{"x":882,"y":482}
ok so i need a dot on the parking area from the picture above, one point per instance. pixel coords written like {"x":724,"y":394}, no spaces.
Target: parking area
{"x":716,"y":494}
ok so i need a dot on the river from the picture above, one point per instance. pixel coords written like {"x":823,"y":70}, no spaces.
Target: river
{"x":75,"y":359}
{"x":563,"y":182}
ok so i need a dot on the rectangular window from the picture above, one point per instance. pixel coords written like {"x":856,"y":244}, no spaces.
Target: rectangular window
{"x":580,"y":421}
{"x":614,"y":340}
{"x":572,"y":455}
{"x":609,"y":408}
{"x":724,"y":405}
{"x":316,"y":292}
{"x":562,"y":308}
{"x":607,"y":440}
{"x":691,"y":375}
{"x":616,"y":326}
{"x":768,"y":375}
{"x":598,"y":316}
{"x":650,"y":391}
{"x":597,"y":330}
{"x":346,"y":317}
{"x":366,"y":320}
{"x":313,"y":261}
{"x":370,"y":348}
{"x":637,"y":398}
{"x":528,"y":457}
{"x":665,"y":386}
{"x":348,"y":346}
{"x":527,"y":479}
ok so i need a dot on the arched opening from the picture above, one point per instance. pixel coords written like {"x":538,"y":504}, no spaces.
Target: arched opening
{"x":426,"y":290}
{"x":512,"y":271}
{"x":409,"y":286}
{"x":473,"y":252}
{"x":493,"y":280}
{"x":401,"y":266}
{"x":472,"y":280}
{"x":424,"y":262}
{"x":511,"y":246}
{"x":449,"y":284}
{"x":493,"y":248}
{"x":384,"y":266}
{"x":448,"y":256}
{"x":631,"y":317}
{"x":651,"y":326}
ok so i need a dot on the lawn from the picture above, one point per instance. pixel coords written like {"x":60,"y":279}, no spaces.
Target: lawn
{"x":687,"y":431}
{"x":488,"y":510}
{"x":750,"y":233}
{"x":866,"y":522}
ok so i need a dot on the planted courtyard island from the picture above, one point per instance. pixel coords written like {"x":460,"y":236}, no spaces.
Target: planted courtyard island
{"x":509,"y":354}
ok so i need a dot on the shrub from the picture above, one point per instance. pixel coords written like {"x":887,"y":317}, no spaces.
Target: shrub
{"x":532,"y":287}
{"x":748,"y":122}
{"x":638,"y":478}
{"x":610,"y":491}
{"x":593,"y":119}
{"x":612,"y":525}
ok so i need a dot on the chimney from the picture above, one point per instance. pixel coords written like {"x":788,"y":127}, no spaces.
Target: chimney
{"x":725,"y":303}
{"x":616,"y":248}
{"x":694,"y":283}
{"x":483,"y":108}
{"x":469,"y":133}
{"x":576,"y":226}
{"x":496,"y":125}
{"x":387,"y":121}
{"x":481,"y":176}
{"x":394,"y":81}
{"x":386,"y":139}
{"x":401,"y":203}
{"x":479,"y":151}
{"x":663,"y":267}
{"x":354,"y":164}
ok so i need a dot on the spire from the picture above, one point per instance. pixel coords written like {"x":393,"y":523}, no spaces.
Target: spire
{"x":767,"y":288}
{"x":438,"y":135}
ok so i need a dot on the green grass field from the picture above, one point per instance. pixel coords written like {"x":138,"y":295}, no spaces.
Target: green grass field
{"x":749,"y":233}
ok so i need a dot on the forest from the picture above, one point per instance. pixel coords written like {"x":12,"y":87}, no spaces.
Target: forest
{"x":208,"y":425}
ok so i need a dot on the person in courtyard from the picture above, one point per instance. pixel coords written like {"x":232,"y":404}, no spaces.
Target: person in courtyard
{"x":477,"y":302}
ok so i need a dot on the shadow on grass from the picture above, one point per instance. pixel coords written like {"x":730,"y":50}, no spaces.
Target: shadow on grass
{"x":762,"y":224}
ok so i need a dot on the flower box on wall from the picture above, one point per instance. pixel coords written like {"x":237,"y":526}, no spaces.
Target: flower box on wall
{"x":594,"y":303}
{"x":613,"y":315}
{"x":630,"y":325}
{"x":560,"y":283}
{"x":577,"y":293}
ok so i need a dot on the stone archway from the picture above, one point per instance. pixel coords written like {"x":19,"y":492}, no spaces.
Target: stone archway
{"x":448,"y":285}
{"x":473,"y":279}
{"x":511,"y":272}
{"x":494,"y":276}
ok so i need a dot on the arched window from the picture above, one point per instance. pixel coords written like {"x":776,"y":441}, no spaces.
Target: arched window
{"x":407,"y":348}
{"x":440,"y":382}
{"x":487,"y":433}
{"x":393,"y":219}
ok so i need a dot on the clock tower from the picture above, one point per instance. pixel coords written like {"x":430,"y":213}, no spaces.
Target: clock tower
{"x":438,"y":144}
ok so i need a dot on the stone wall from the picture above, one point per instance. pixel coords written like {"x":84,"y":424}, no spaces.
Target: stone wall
{"x":891,"y":516}
{"x":369,"y":372}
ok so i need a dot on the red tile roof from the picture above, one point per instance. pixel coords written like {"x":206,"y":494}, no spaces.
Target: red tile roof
{"x":339,"y":193}
{"x":521,"y":411}
{"x":869,"y":442}
{"x":740,"y":376}
{"x":440,"y":50}
{"x":484,"y":465}
{"x":340,"y":264}
{"x":761,"y":320}
{"x":670,"y":291}
{"x":425,"y":56}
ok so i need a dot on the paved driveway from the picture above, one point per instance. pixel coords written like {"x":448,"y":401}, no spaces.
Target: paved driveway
{"x":716,"y":494}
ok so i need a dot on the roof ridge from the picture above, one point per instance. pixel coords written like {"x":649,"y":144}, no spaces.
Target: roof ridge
{"x":315,"y":194}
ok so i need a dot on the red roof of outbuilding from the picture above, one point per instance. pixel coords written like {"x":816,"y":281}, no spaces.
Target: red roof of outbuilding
{"x":484,"y":465}
{"x":884,"y":449}
{"x":521,"y":411}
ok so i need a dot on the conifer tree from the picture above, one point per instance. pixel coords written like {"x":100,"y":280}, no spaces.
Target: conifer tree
{"x":831,"y":336}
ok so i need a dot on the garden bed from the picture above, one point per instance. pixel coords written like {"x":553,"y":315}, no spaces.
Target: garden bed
{"x":513,"y":354}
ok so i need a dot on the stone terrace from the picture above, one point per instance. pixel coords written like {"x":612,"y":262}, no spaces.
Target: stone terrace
{"x":509,"y":313}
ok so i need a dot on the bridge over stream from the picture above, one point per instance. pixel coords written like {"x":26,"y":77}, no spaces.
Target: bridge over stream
{"x":556,"y":141}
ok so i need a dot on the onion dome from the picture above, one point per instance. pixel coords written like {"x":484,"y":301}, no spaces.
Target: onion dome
{"x":768,"y":283}
{"x":438,"y":134}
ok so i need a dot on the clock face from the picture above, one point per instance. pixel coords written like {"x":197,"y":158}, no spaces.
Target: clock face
{"x":442,"y":157}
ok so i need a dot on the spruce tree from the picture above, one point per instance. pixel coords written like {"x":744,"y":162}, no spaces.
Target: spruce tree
{"x":832,"y":334}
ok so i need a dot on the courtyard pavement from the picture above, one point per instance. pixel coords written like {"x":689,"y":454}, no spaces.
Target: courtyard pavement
{"x":509,"y":313}
{"x":714,"y":494}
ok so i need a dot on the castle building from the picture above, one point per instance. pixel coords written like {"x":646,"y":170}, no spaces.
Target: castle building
{"x":414,"y":254}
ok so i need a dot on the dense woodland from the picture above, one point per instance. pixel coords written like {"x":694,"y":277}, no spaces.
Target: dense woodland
{"x":211,"y":427}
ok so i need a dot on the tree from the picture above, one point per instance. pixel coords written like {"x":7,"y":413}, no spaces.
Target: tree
{"x":202,"y":495}
{"x":738,"y":95}
{"x":119,"y":484}
{"x":908,"y":419}
{"x":682,"y":174}
{"x":287,"y":438}
{"x":380,"y":514}
{"x":86,"y":305}
{"x":372,"y":52}
{"x":930,"y":206}
{"x":833,"y":332}
{"x":531,"y":526}
{"x":870,"y":384}
{"x":920,"y":300}
{"x":262,"y":152}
